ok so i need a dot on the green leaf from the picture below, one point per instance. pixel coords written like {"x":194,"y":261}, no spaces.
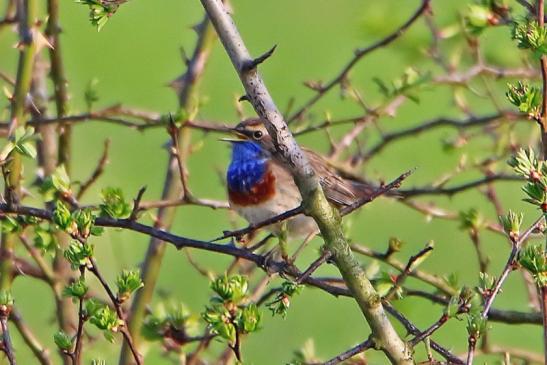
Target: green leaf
{"x":100,"y":12}
{"x":78,"y":254}
{"x":62,"y":217}
{"x":530,"y":35}
{"x":55,"y":184}
{"x":106,"y":319}
{"x":476,"y":325}
{"x":114,"y":204}
{"x":6,"y":299}
{"x":525,"y":97}
{"x":249,"y":319}
{"x":511,"y":224}
{"x":128,"y":282}
{"x":471,"y":219}
{"x":26,"y":149}
{"x":63,"y":341}
{"x":6,"y":150}
{"x":534,"y":259}
{"x":232,"y":288}
{"x":280,"y":305}
{"x":84,"y":220}
{"x":44,"y":239}
{"x":77,"y":289}
{"x":11,"y":224}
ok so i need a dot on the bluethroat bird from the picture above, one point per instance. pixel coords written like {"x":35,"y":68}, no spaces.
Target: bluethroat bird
{"x":260,"y":187}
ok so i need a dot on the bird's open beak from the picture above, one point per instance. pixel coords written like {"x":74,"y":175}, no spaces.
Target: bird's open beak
{"x":238,"y":136}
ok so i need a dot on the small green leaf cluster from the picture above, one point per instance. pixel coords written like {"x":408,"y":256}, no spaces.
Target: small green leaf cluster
{"x":534,"y":259}
{"x":63,"y":341}
{"x":305,"y":355}
{"x":11,"y":224}
{"x":471,"y":220}
{"x":511,"y":224}
{"x":78,"y":254}
{"x":466,"y":301}
{"x":16,"y":224}
{"x":21,"y":142}
{"x":100,"y":11}
{"x":280,"y":305}
{"x":128,"y":282}
{"x":44,"y":238}
{"x":485,"y":13}
{"x":230,"y":288}
{"x":169,"y":320}
{"x":476,"y":325}
{"x":114,"y":204}
{"x":103,"y":317}
{"x":76,"y":290}
{"x":6,"y":302}
{"x":228,"y":314}
{"x":384,"y":282}
{"x":525,"y":97}
{"x":530,"y":35}
{"x":486,"y":284}
{"x":526,"y":164}
{"x":79,"y":223}
{"x":404,"y":85}
{"x":57,"y":185}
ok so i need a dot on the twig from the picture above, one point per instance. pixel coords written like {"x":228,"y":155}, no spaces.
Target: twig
{"x":186,"y":85}
{"x":6,"y":340}
{"x":452,"y":190}
{"x":40,"y":352}
{"x":209,"y":203}
{"x":358,"y":55}
{"x":407,"y":271}
{"x":300,"y":210}
{"x":412,"y":329}
{"x":431,"y":279}
{"x":325,"y":256}
{"x":363,"y":346}
{"x":496,"y":315}
{"x":77,"y":353}
{"x":509,"y":265}
{"x":137,"y":204}
{"x":117,"y":305}
{"x":253,"y":227}
{"x":99,"y":169}
{"x":174,"y":132}
{"x":429,"y":331}
{"x":382,"y":190}
{"x":472,"y":121}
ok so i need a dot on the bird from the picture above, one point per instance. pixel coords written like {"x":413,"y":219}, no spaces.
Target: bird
{"x":261,"y":187}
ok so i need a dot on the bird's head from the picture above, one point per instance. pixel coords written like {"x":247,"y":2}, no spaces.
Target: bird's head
{"x":250,"y":134}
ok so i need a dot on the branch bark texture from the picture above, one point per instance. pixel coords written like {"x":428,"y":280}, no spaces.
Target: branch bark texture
{"x":328,"y":218}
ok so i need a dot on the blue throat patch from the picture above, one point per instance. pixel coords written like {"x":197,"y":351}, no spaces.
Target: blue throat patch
{"x":248,"y":166}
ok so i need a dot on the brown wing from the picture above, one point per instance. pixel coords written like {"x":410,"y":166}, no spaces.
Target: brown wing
{"x":338,"y":190}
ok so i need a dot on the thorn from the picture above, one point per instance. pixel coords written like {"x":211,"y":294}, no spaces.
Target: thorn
{"x":257,"y":61}
{"x":184,"y":56}
{"x":244,"y":98}
{"x":136,"y":204}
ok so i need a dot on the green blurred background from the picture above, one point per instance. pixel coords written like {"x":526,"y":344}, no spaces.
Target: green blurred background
{"x":137,"y":54}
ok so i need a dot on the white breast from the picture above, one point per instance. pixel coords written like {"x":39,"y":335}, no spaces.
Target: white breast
{"x":286,"y":197}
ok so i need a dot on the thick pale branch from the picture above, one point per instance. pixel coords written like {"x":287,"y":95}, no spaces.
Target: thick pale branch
{"x":314,"y":202}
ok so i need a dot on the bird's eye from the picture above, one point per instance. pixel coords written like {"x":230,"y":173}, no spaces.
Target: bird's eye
{"x":257,"y":135}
